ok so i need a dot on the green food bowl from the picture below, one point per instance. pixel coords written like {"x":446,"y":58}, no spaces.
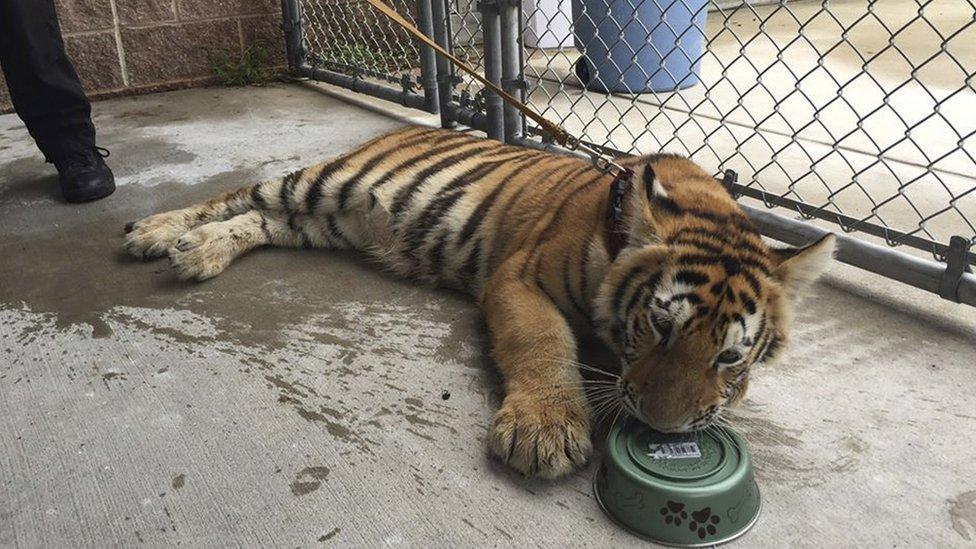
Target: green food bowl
{"x":685,"y":489}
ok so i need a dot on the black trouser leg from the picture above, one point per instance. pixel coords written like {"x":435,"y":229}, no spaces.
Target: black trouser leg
{"x":43,"y":84}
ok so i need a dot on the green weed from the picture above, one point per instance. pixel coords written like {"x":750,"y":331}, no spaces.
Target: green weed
{"x":250,"y":66}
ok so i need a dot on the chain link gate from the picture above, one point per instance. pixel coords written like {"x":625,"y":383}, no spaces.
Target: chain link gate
{"x":854,"y":114}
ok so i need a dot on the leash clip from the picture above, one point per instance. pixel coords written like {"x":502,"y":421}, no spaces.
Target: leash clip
{"x":600,"y":163}
{"x":572,"y":143}
{"x":603,"y":163}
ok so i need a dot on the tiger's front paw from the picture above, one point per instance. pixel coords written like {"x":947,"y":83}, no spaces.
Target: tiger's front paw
{"x":541,"y":437}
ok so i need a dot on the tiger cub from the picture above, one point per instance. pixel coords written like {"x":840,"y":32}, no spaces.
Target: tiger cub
{"x":689,"y":304}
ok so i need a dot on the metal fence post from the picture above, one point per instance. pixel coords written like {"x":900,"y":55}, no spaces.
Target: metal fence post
{"x":493,"y":67}
{"x":291,"y":24}
{"x":428,"y":58}
{"x":445,"y":72}
{"x":511,"y":67}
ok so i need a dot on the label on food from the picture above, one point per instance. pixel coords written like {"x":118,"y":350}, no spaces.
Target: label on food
{"x":674,"y":450}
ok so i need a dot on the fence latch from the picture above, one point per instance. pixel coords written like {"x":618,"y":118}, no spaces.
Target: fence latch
{"x":956,"y":265}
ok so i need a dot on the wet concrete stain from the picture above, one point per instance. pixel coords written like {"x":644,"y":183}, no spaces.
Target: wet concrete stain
{"x":962,"y":513}
{"x":28,"y":180}
{"x":762,"y":431}
{"x":504,"y":533}
{"x":779,"y":454}
{"x":111,"y":279}
{"x":309,"y":480}
{"x":178,"y":481}
{"x":149,"y":153}
{"x":286,"y":388}
{"x":414,"y":416}
{"x":335,"y":429}
{"x":248,"y":313}
{"x":169,"y":516}
{"x":421,"y":483}
{"x":332,"y":533}
{"x":473,"y":527}
{"x":109,"y":376}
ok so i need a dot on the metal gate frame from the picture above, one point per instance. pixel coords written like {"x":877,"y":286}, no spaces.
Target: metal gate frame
{"x":503,"y":63}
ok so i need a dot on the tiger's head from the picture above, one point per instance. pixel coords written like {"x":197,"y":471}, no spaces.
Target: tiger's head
{"x":696,"y":299}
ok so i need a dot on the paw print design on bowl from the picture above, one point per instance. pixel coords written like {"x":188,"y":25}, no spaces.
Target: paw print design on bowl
{"x":674,"y":512}
{"x":703,"y":521}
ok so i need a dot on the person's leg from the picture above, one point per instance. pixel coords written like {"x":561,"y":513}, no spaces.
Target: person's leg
{"x":48,"y":97}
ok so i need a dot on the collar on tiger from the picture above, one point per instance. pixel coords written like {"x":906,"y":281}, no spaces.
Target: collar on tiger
{"x":616,"y":231}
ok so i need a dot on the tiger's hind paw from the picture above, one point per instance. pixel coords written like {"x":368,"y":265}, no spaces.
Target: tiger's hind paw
{"x":153,"y":236}
{"x":203,"y":252}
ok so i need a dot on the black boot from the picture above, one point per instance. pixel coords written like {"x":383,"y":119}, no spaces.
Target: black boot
{"x":83,"y":174}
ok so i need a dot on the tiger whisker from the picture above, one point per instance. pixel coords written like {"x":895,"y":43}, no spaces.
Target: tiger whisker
{"x":581,"y":365}
{"x":603,"y":397}
{"x":575,"y":382}
{"x":613,"y":422}
{"x":724,"y":434}
{"x":604,"y":407}
{"x":593,"y":399}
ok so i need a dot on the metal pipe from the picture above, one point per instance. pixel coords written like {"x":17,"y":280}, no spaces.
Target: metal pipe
{"x":491,"y":34}
{"x":286,"y":29}
{"x":511,"y":65}
{"x":914,"y":271}
{"x":521,"y":64}
{"x":428,"y":59}
{"x":406,"y":99}
{"x":291,"y":25}
{"x":849,"y":222}
{"x":920,"y":273}
{"x":445,"y":74}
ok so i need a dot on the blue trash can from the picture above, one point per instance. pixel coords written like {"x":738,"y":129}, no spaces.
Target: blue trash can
{"x":637,"y":46}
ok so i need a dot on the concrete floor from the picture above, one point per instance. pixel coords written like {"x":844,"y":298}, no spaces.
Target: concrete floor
{"x":297,"y":398}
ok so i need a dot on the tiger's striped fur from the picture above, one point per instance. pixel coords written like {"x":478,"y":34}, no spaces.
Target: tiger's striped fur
{"x":523,"y":232}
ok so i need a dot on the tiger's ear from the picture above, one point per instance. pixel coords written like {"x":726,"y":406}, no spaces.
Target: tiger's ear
{"x":652,"y":185}
{"x":797,"y":268}
{"x":645,"y":190}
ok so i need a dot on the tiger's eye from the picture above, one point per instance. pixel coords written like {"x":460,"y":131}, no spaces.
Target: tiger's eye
{"x":730,"y":356}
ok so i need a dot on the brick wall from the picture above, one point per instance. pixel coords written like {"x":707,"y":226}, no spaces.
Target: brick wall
{"x":131,"y":46}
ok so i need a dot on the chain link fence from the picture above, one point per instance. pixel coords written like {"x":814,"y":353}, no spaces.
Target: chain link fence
{"x":346,"y":42}
{"x":849,"y":114}
{"x":855,"y":112}
{"x":467,"y":43}
{"x":347,"y":36}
